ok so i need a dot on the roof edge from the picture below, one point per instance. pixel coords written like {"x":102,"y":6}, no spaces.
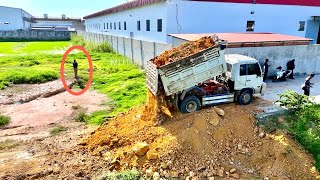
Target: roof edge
{"x":122,"y":7}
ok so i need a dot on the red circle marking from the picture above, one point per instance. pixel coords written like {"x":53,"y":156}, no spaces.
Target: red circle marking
{"x":62,"y":70}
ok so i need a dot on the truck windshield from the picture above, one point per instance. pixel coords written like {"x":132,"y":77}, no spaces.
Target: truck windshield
{"x":250,"y":69}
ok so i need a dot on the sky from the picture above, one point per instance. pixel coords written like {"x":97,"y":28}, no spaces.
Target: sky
{"x":71,"y":8}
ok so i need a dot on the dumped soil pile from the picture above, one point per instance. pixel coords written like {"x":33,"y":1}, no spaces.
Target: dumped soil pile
{"x":183,"y":51}
{"x":202,"y":144}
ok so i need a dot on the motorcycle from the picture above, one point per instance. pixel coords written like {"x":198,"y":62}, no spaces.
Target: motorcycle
{"x":281,"y":75}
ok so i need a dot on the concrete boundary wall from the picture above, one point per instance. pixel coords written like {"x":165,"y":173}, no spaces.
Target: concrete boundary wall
{"x":137,"y":50}
{"x":307,"y":57}
{"x":35,"y":35}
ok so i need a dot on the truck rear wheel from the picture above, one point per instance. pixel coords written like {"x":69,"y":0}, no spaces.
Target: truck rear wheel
{"x":190,"y":104}
{"x":245,"y":97}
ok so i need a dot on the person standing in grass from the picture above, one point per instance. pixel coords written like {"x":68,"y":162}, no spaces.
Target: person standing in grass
{"x":75,"y":68}
{"x":307,"y":85}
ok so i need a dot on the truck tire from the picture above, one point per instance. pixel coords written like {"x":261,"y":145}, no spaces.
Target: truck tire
{"x":190,"y":104}
{"x":245,"y":97}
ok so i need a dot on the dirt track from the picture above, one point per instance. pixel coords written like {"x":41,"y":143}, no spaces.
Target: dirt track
{"x":30,"y":129}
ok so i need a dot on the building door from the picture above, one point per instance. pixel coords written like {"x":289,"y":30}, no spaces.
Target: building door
{"x":318,"y":41}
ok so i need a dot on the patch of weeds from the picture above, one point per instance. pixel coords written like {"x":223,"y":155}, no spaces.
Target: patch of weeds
{"x":293,"y":100}
{"x":4,"y":120}
{"x":99,"y":117}
{"x":76,"y":107}
{"x":81,"y":117}
{"x":273,"y":122}
{"x":124,"y":175}
{"x":57,"y":130}
{"x":4,"y":84}
{"x":81,"y":84}
{"x":8,"y":144}
{"x":30,"y":63}
{"x":303,"y":122}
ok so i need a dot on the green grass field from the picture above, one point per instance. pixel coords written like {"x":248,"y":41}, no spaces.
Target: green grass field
{"x":114,"y":75}
{"x":32,"y":47}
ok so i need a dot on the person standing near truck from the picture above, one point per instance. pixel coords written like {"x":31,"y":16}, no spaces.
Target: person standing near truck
{"x":290,"y":67}
{"x":75,"y":68}
{"x":265,"y":69}
{"x":307,"y":85}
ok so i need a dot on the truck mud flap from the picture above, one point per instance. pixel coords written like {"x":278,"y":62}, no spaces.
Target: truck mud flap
{"x":152,"y":77}
{"x":217,"y":99}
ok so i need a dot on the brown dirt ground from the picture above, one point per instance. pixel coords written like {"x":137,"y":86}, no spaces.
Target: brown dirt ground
{"x":188,"y":145}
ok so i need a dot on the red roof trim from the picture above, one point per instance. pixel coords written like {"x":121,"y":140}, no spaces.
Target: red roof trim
{"x":122,"y":7}
{"x":275,"y":2}
{"x":235,"y":38}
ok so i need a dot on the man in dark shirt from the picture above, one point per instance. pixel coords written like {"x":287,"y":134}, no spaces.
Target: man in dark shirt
{"x":307,"y":85}
{"x":265,"y":69}
{"x":290,"y":67}
{"x":75,"y":68}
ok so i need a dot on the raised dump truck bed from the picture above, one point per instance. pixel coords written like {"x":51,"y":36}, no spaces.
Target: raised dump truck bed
{"x":187,"y":72}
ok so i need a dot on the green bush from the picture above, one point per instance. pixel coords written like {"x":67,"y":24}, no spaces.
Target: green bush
{"x":81,"y":117}
{"x":101,"y":47}
{"x":4,"y":120}
{"x":91,"y":46}
{"x":77,"y":40}
{"x":293,"y":100}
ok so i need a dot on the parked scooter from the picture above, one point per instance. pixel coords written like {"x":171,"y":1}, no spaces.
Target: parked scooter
{"x":281,"y":75}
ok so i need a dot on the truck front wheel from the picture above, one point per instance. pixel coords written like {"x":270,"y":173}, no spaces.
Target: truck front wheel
{"x":190,"y":104}
{"x":245,"y":97}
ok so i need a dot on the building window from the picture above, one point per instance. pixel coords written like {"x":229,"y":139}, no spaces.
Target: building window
{"x":138,"y":25}
{"x":147,"y":25}
{"x":104,"y":25}
{"x":125,"y":25}
{"x":110,"y":25}
{"x":250,"y":26}
{"x":159,"y":25}
{"x":119,"y":25}
{"x":107,"y":25}
{"x":302,"y":25}
{"x":115,"y":25}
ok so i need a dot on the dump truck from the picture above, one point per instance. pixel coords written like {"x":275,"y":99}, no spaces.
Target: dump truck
{"x":207,"y":78}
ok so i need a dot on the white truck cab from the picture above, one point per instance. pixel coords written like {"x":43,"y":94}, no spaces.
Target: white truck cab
{"x":245,"y":73}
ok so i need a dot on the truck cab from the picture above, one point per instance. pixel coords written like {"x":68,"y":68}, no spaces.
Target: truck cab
{"x":242,"y":81}
{"x":244,"y":73}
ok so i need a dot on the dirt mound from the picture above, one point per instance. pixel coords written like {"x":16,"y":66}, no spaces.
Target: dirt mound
{"x":202,"y":144}
{"x":184,"y":50}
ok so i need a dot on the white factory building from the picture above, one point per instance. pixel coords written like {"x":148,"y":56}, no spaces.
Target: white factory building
{"x":154,"y":20}
{"x":12,"y":19}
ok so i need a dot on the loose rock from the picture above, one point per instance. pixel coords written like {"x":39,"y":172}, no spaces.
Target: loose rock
{"x":152,"y":155}
{"x":156,"y":176}
{"x":232,"y":170}
{"x":261,"y":135}
{"x":236,"y":176}
{"x":219,"y":111}
{"x":140,"y":149}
